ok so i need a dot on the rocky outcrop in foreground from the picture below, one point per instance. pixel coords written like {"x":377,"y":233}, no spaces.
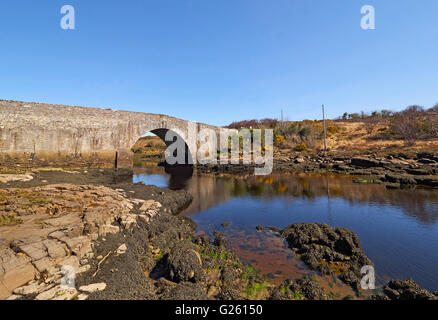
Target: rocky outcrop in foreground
{"x":56,"y":228}
{"x":328,"y":250}
{"x":124,"y":244}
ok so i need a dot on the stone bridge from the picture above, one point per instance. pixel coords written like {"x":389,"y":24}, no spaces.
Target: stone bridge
{"x":46,"y":134}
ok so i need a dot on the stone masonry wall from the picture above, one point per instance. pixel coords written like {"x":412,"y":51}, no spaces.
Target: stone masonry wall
{"x":46,"y":134}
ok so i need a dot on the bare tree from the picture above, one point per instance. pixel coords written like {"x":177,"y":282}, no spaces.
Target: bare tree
{"x":369,"y":123}
{"x":405,"y":124}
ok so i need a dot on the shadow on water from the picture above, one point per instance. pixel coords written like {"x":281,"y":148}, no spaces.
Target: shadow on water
{"x":398,"y":228}
{"x":179,"y":176}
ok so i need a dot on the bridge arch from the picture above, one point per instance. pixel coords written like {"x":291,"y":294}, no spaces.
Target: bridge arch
{"x":162,"y":132}
{"x":39,"y":134}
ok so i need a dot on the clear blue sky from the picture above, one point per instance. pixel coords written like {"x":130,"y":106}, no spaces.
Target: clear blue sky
{"x":222,"y":60}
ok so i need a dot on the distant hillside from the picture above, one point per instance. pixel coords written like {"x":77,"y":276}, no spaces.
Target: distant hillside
{"x":413,"y":127}
{"x":150,"y":147}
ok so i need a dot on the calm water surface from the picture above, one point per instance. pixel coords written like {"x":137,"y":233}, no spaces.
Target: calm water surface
{"x":398,"y":229}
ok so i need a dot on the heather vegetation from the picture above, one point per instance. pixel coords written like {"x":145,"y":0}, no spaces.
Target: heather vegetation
{"x":413,"y":124}
{"x":288,"y":134}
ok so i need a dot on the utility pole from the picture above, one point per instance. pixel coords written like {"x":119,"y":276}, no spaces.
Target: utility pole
{"x":282,"y":120}
{"x":323,"y":121}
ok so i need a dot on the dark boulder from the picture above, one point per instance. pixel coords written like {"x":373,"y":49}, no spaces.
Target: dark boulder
{"x":365,"y":162}
{"x":431,"y":181}
{"x":229,"y":289}
{"x":429,"y":156}
{"x":309,"y":288}
{"x":220,"y":241}
{"x":320,"y":246}
{"x":400,"y":178}
{"x":407,"y":290}
{"x":300,"y":234}
{"x":184,"y":263}
{"x":202,"y":240}
{"x":420,"y":172}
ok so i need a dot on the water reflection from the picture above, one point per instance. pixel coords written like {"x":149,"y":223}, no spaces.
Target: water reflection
{"x":398,"y":228}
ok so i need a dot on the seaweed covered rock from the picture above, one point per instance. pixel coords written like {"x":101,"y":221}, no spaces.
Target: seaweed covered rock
{"x":328,"y":250}
{"x":184,"y":263}
{"x":220,"y":241}
{"x":309,"y":288}
{"x":407,"y":289}
{"x":202,"y":240}
{"x":306,"y":288}
{"x":185,"y":291}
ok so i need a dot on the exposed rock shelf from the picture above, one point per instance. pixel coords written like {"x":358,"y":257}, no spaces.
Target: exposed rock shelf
{"x":58,"y":226}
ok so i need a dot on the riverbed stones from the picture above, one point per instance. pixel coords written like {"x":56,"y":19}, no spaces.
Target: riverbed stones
{"x":362,"y":162}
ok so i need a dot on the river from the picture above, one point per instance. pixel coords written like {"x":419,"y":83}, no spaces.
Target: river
{"x":398,"y":229}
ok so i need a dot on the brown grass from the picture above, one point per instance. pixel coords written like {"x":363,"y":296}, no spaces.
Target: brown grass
{"x":9,"y":220}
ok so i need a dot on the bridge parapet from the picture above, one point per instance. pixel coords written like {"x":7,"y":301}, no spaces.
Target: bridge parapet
{"x":46,"y":134}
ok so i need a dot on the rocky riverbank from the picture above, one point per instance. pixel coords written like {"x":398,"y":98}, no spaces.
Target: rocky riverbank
{"x":50,"y":227}
{"x":120,"y":244}
{"x":393,"y":170}
{"x":123,"y":241}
